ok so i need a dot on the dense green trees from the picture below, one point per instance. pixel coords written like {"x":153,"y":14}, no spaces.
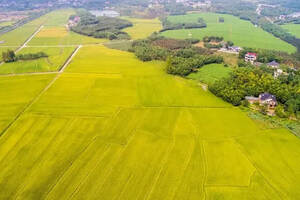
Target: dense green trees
{"x":101,"y":27}
{"x":167,"y":25}
{"x":253,"y":81}
{"x":10,"y":56}
{"x":183,"y":66}
{"x":182,"y":58}
{"x":32,"y":56}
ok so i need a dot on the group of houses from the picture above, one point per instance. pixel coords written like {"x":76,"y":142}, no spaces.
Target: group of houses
{"x":105,"y":13}
{"x":73,"y":22}
{"x":264,"y":99}
{"x":230,"y":49}
{"x":252,"y":57}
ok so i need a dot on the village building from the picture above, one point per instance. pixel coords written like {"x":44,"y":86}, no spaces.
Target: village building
{"x":252,"y":99}
{"x":250,"y":57}
{"x":277,"y":73}
{"x":105,"y":13}
{"x":264,"y":99}
{"x":73,"y":22}
{"x":235,"y":49}
{"x":268,"y":99}
{"x":273,"y":64}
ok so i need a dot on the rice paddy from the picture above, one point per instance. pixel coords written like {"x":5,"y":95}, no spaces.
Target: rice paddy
{"x":241,"y":32}
{"x":57,"y":56}
{"x":113,"y":127}
{"x":142,"y":28}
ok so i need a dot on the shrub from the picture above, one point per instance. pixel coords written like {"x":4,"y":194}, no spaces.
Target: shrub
{"x":9,"y":56}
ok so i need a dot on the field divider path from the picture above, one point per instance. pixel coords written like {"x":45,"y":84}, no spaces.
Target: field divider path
{"x":70,"y":59}
{"x":26,"y":42}
{"x":28,"y":106}
{"x":258,"y":170}
{"x":29,"y":39}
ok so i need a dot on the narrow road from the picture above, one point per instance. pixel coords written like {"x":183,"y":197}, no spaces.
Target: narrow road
{"x":41,"y":73}
{"x":25,"y":43}
{"x":70,"y":59}
{"x":29,"y":39}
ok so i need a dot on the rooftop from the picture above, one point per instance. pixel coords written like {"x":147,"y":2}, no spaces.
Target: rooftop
{"x":267,"y":96}
{"x":273,"y":63}
{"x":251,"y":54}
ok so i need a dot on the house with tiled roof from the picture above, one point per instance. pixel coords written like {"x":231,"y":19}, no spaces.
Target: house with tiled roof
{"x":268,"y":99}
{"x":273,"y":64}
{"x":250,"y":57}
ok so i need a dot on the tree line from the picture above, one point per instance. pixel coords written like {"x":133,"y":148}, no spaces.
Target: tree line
{"x":168,"y":25}
{"x":101,"y":27}
{"x":10,"y":56}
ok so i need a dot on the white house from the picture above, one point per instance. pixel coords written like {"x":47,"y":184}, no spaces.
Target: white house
{"x":250,"y":57}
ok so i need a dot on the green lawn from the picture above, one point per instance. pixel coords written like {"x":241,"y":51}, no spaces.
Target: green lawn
{"x":241,"y":32}
{"x":210,"y":73}
{"x":57,"y":56}
{"x":113,"y":127}
{"x":294,"y":29}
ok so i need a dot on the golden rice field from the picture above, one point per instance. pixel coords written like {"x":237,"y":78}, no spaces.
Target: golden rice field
{"x":113,"y":127}
{"x":142,"y":28}
{"x":53,"y":32}
{"x":57,"y":56}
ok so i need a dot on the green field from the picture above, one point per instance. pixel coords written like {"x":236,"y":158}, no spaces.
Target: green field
{"x":7,"y":23}
{"x":113,"y":127}
{"x":56,"y":33}
{"x":57,"y":56}
{"x":210,"y":73}
{"x":142,"y":28}
{"x":294,"y":29}
{"x":241,"y":32}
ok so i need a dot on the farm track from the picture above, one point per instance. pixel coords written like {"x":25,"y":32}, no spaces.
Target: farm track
{"x":44,"y":90}
{"x":29,"y":39}
{"x":241,"y":148}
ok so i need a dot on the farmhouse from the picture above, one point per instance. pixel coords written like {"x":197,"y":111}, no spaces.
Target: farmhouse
{"x":106,"y":13}
{"x":235,"y":49}
{"x":250,"y":57}
{"x":252,"y":99}
{"x":268,"y":99}
{"x":73,"y":22}
{"x":273,"y":64}
{"x":263,"y":99}
{"x":277,"y":73}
